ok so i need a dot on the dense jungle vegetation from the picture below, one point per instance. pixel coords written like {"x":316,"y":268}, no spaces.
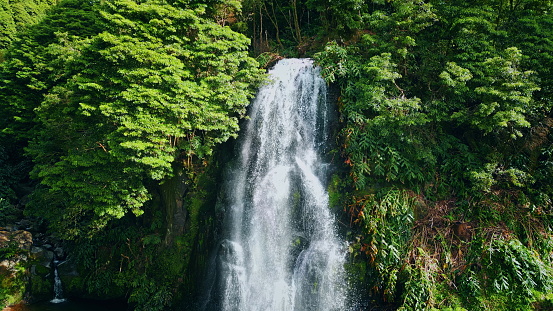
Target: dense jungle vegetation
{"x":115,"y":113}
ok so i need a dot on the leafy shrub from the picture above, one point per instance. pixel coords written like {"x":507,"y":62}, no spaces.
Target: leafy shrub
{"x":385,"y":223}
{"x":419,"y":284}
{"x":8,"y":212}
{"x":510,"y":277}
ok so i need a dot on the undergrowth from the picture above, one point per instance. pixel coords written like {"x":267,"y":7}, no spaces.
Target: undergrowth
{"x":422,"y":255}
{"x":133,"y":261}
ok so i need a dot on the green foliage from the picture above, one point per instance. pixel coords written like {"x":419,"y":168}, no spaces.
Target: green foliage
{"x":337,"y":194}
{"x":447,"y":300}
{"x":385,"y":223}
{"x":419,"y":285}
{"x":8,"y":213}
{"x":449,"y":99}
{"x":12,"y":289}
{"x":9,"y":250}
{"x":416,"y":115}
{"x":25,"y":75}
{"x":381,"y":123}
{"x":511,"y":277}
{"x":157,"y":84}
{"x":383,"y":131}
{"x":7,"y":174}
{"x":338,"y":17}
{"x":149,"y":295}
{"x":16,"y":15}
{"x":13,"y":280}
{"x":518,"y":271}
{"x":131,"y":260}
{"x":504,"y":97}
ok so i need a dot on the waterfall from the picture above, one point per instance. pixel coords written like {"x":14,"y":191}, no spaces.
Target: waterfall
{"x":280,"y":249}
{"x":58,"y":289}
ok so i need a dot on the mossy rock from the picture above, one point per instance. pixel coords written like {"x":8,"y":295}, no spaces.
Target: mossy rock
{"x":74,"y":286}
{"x":40,"y":270}
{"x":12,"y":287}
{"x":40,"y":288}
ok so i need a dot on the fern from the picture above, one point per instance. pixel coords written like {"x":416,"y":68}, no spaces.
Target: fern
{"x":386,"y":222}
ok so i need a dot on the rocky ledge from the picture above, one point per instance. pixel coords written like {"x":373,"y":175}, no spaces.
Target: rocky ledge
{"x":26,"y":266}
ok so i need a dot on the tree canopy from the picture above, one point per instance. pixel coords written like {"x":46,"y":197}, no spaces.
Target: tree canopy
{"x":15,"y":16}
{"x":114,"y":104}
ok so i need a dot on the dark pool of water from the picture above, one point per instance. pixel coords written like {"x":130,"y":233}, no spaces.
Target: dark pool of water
{"x":71,"y":305}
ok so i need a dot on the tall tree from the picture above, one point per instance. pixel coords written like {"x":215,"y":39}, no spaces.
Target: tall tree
{"x":157,"y":85}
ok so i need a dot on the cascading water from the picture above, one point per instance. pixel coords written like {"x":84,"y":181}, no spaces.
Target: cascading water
{"x":58,"y":289}
{"x":280,"y":249}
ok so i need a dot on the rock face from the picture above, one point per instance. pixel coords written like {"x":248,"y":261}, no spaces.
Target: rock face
{"x":15,"y":249}
{"x":25,"y":267}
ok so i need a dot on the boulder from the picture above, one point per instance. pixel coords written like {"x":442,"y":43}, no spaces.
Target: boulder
{"x":60,"y":253}
{"x":27,"y":267}
{"x":42,"y":257}
{"x":16,"y":247}
{"x":16,"y":239}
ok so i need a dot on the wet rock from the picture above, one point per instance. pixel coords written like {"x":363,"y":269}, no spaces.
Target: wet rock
{"x":8,"y":228}
{"x":40,"y":270}
{"x":67,"y":269}
{"x":4,"y":239}
{"x":24,"y":224}
{"x":36,"y":250}
{"x":16,"y":246}
{"x":43,"y":257}
{"x":59,"y":252}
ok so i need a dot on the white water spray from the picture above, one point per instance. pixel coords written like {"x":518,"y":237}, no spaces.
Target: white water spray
{"x":281,"y":251}
{"x":58,"y":289}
